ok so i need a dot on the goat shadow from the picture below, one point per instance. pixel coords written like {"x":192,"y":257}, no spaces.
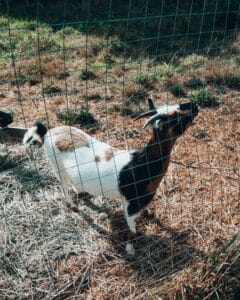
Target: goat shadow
{"x":26,"y":172}
{"x":156,"y":256}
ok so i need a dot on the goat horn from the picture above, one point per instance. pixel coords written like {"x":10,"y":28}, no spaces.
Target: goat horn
{"x":151,"y":120}
{"x":151,"y":103}
{"x":145,"y":114}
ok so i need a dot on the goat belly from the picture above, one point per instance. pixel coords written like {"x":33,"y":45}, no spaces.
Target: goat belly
{"x":97,"y":177}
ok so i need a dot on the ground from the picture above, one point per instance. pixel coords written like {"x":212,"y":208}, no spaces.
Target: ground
{"x":189,"y":249}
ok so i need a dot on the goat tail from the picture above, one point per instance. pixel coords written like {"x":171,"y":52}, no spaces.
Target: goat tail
{"x":35,"y":135}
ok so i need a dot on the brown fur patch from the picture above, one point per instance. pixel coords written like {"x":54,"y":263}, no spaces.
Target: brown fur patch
{"x":153,"y":185}
{"x":97,"y":158}
{"x":108,"y":154}
{"x":131,"y":235}
{"x":67,"y":138}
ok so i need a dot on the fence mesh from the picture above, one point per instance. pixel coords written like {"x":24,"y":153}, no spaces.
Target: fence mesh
{"x":93,"y":64}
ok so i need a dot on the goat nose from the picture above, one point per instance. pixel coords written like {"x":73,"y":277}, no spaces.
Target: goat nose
{"x":36,"y":143}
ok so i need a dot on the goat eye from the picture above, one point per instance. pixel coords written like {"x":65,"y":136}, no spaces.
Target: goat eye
{"x":175,"y":120}
{"x":159,"y":123}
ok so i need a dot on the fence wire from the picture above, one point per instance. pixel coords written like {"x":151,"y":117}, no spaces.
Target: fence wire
{"x":92,"y":65}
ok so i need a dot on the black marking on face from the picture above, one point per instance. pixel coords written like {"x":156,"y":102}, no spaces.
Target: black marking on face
{"x":5,"y":119}
{"x":33,"y":142}
{"x":28,"y":141}
{"x":41,"y":129}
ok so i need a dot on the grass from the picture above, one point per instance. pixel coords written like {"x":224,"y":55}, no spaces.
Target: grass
{"x":195,"y":83}
{"x":204,"y":98}
{"x":226,"y":74}
{"x":80,"y":117}
{"x":230,"y":80}
{"x":127,"y":108}
{"x":178,"y":90}
{"x":192,"y":61}
{"x":144,"y":79}
{"x":221,"y":274}
{"x":28,"y":42}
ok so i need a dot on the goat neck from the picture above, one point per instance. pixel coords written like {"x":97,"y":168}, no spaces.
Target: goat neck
{"x":160,"y":145}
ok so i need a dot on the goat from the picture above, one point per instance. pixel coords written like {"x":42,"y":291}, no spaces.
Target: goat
{"x":96,"y":168}
{"x":5,"y":119}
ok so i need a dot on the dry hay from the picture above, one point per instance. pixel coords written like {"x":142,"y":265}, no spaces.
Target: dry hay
{"x":50,"y":252}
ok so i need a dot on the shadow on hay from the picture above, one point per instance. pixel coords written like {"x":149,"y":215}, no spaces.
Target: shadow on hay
{"x":27,"y":174}
{"x":157,"y":256}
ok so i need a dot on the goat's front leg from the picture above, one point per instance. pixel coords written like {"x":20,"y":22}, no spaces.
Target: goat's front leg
{"x":131,"y":221}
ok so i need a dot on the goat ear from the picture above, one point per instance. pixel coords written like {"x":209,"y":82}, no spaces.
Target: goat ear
{"x":152,"y":109}
{"x":151,"y":103}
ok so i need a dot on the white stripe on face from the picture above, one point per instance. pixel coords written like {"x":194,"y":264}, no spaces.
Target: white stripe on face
{"x":167,"y":109}
{"x":32,"y":135}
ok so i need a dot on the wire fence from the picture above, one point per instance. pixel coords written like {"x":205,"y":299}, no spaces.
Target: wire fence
{"x":93,"y":65}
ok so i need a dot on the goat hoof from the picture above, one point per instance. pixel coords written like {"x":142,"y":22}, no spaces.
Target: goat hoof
{"x":130,"y":249}
{"x":72,"y":207}
{"x":148,"y":213}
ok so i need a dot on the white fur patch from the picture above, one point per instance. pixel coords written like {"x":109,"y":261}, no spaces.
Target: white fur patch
{"x":130,"y":248}
{"x":80,"y":166}
{"x":130,"y":219}
{"x":167,"y":109}
{"x":132,"y":223}
{"x":32,"y":132}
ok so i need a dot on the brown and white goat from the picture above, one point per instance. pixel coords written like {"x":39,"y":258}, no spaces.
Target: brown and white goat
{"x":94,"y":167}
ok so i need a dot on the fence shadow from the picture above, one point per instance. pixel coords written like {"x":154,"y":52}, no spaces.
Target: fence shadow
{"x":156,"y":255}
{"x":142,"y":27}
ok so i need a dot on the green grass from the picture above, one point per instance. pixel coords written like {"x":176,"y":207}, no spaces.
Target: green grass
{"x":77,"y":117}
{"x":204,"y":98}
{"x":178,"y":90}
{"x":23,"y":14}
{"x":145,"y":79}
{"x":221,"y":273}
{"x":195,"y":83}
{"x":230,"y":80}
{"x":27,"y":39}
{"x":192,"y":61}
